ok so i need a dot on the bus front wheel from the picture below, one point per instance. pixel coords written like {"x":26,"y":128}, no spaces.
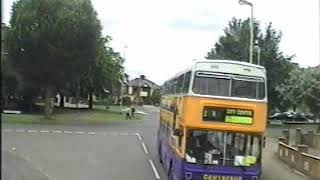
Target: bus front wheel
{"x":159,"y":154}
{"x":170,"y":172}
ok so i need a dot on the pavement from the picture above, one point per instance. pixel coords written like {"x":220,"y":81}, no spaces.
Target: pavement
{"x":273,"y":168}
{"x":16,"y":167}
{"x":114,"y":151}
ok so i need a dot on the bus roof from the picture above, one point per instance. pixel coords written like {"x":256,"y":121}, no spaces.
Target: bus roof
{"x":216,"y":61}
{"x":230,"y":61}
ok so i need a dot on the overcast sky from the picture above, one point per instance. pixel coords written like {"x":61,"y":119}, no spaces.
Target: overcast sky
{"x":163,"y":37}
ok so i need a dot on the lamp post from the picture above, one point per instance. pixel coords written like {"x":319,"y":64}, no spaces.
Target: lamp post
{"x":244,"y":2}
{"x":121,"y":92}
{"x":122,"y":78}
{"x":258,"y":50}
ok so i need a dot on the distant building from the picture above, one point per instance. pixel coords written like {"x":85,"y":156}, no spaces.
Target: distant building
{"x":141,"y":89}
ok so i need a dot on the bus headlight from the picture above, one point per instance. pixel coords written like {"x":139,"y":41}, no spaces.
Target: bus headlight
{"x":190,"y":159}
{"x":188,"y":176}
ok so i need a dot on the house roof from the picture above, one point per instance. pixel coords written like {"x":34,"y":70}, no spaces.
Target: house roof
{"x":138,"y":82}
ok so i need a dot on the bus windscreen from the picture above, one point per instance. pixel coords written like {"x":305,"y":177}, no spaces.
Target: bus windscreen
{"x":222,"y":148}
{"x":229,"y":85}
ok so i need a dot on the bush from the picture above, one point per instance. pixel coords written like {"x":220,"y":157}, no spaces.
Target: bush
{"x":126,"y":101}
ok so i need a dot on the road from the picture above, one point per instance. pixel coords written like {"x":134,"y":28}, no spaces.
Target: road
{"x":114,"y":151}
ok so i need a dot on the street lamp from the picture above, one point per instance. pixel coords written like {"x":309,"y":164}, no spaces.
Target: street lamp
{"x":244,"y":2}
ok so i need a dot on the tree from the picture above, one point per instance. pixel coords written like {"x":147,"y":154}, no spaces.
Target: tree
{"x":156,"y":97}
{"x":302,"y":87}
{"x":291,"y":90}
{"x":234,"y":45}
{"x":311,"y":89}
{"x":52,"y":42}
{"x":105,"y":72}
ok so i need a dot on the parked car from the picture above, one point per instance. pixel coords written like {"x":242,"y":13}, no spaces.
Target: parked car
{"x":280,"y":116}
{"x":310,"y":116}
{"x":289,"y":116}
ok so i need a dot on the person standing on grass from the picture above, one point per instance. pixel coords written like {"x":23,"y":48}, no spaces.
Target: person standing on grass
{"x":132,"y":111}
{"x":128,"y":113}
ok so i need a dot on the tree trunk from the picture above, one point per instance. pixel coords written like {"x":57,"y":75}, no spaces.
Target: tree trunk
{"x":61,"y":100}
{"x":77,"y":96}
{"x":294,"y":108}
{"x":48,"y":104}
{"x":90,"y":100}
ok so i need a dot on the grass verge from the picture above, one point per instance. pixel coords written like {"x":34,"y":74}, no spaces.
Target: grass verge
{"x":99,"y":115}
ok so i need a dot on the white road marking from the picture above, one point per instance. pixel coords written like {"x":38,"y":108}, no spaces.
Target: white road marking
{"x":44,"y":131}
{"x":132,"y":134}
{"x":79,"y":132}
{"x":113,"y":134}
{"x":123,"y":134}
{"x":139,"y":137}
{"x":155,"y":171}
{"x":144,"y":148}
{"x":57,"y":131}
{"x":32,"y":131}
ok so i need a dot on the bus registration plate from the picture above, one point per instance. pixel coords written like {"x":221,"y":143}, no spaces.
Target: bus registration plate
{"x":215,"y":177}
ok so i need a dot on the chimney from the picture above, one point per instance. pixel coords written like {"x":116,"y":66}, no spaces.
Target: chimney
{"x":142,"y":77}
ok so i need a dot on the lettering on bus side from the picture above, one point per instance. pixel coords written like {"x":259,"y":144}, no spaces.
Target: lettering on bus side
{"x":215,"y":177}
{"x":240,"y":112}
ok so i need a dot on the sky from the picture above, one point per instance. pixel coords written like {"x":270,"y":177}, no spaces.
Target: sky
{"x":160,"y":38}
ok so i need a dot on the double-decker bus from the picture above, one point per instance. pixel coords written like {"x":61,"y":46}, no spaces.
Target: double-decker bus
{"x":212,"y":121}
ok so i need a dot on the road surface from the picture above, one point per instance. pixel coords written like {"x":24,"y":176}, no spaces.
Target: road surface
{"x":114,"y":151}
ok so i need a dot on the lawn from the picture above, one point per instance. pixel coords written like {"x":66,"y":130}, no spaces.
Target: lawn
{"x":99,"y":115}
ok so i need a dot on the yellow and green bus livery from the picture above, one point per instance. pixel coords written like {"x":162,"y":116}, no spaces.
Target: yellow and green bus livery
{"x":212,"y":121}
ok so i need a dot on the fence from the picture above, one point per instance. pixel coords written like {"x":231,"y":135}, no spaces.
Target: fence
{"x":298,"y":156}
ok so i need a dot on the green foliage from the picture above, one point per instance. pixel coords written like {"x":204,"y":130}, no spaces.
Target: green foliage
{"x":51,"y":43}
{"x":10,"y":81}
{"x":303,"y":86}
{"x":234,"y":45}
{"x":58,"y":34}
{"x":291,"y":89}
{"x":155,"y":97}
{"x":105,"y":72}
{"x":311,"y":90}
{"x":126,"y":101}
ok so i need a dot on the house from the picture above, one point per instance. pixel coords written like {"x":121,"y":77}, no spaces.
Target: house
{"x":141,"y":89}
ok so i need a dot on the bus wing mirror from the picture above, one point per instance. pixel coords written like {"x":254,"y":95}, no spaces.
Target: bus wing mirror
{"x":177,"y":132}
